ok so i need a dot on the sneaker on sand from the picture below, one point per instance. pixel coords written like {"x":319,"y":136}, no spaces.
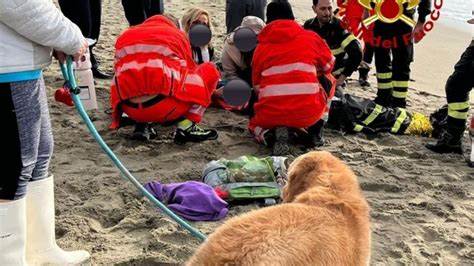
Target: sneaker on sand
{"x":194,"y":133}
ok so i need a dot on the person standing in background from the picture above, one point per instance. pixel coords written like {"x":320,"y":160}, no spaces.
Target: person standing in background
{"x":137,"y":11}
{"x":392,"y":62}
{"x":236,"y":10}
{"x":458,"y":87}
{"x":87,"y":15}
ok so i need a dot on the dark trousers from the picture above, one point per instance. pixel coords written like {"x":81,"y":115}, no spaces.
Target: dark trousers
{"x":368,"y":53}
{"x":393,"y":64}
{"x":86,"y":14}
{"x":236,"y":10}
{"x":137,"y":11}
{"x":458,"y":87}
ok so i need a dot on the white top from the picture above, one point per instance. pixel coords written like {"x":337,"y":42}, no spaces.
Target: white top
{"x":28,"y":31}
{"x":205,"y":54}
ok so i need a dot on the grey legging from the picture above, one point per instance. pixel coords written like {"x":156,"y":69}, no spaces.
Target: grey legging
{"x":28,"y":143}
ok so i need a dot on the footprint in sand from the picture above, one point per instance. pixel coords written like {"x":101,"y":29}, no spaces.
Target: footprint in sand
{"x":380,"y":187}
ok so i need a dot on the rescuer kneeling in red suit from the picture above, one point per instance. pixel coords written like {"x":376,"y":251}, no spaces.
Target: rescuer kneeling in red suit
{"x":288,"y":70}
{"x":156,"y":80}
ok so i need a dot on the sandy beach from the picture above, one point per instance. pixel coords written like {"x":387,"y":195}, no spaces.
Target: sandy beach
{"x":422,"y":203}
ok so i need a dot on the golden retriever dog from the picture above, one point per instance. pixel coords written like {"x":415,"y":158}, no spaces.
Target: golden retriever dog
{"x":324,"y":220}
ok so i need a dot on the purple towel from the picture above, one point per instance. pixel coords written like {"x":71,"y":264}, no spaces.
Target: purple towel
{"x":195,"y":201}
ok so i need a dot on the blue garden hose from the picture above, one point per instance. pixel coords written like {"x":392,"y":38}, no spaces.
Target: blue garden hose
{"x":68,"y":75}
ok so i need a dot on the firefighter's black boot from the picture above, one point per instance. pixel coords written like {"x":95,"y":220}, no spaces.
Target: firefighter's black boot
{"x":449,"y":142}
{"x":193,"y":133}
{"x":280,"y":147}
{"x":364,"y":77}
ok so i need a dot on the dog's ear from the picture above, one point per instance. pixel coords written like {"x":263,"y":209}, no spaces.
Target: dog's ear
{"x":318,"y":168}
{"x":298,"y":177}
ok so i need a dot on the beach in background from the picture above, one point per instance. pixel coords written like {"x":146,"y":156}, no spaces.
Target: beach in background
{"x":422,"y":203}
{"x":436,"y":55}
{"x":456,"y":10}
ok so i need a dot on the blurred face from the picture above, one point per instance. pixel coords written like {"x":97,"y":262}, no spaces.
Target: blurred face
{"x":323,"y":11}
{"x":202,"y":20}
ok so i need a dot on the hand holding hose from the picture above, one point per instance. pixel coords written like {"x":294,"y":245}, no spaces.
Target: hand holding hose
{"x":61,"y":56}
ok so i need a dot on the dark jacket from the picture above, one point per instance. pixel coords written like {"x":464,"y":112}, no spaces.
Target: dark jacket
{"x":400,"y":28}
{"x":236,"y":10}
{"x":424,"y":9}
{"x":341,"y":42}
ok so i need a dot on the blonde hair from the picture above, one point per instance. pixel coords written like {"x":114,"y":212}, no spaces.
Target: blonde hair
{"x":193,"y":15}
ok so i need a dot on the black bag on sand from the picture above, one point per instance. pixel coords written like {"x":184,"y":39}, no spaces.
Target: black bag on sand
{"x":355,"y":114}
{"x":439,"y":121}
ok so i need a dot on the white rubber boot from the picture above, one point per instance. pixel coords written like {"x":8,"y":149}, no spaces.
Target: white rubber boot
{"x":13,"y":232}
{"x":41,"y":247}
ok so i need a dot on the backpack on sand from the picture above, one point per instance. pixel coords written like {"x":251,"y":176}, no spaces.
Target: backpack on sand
{"x":247,"y":177}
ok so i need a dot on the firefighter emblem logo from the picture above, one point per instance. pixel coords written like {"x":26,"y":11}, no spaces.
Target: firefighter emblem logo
{"x":359,"y":17}
{"x":389,"y":11}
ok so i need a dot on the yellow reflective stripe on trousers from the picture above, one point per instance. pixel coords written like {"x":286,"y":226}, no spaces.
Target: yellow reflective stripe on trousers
{"x":338,"y":71}
{"x":337,"y":51}
{"x":458,"y":115}
{"x":400,"y":84}
{"x":400,"y":119}
{"x":458,"y":106}
{"x":358,"y":128}
{"x":384,"y":85}
{"x":373,"y":115}
{"x":387,"y":75}
{"x":400,"y":94}
{"x":347,"y":40}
